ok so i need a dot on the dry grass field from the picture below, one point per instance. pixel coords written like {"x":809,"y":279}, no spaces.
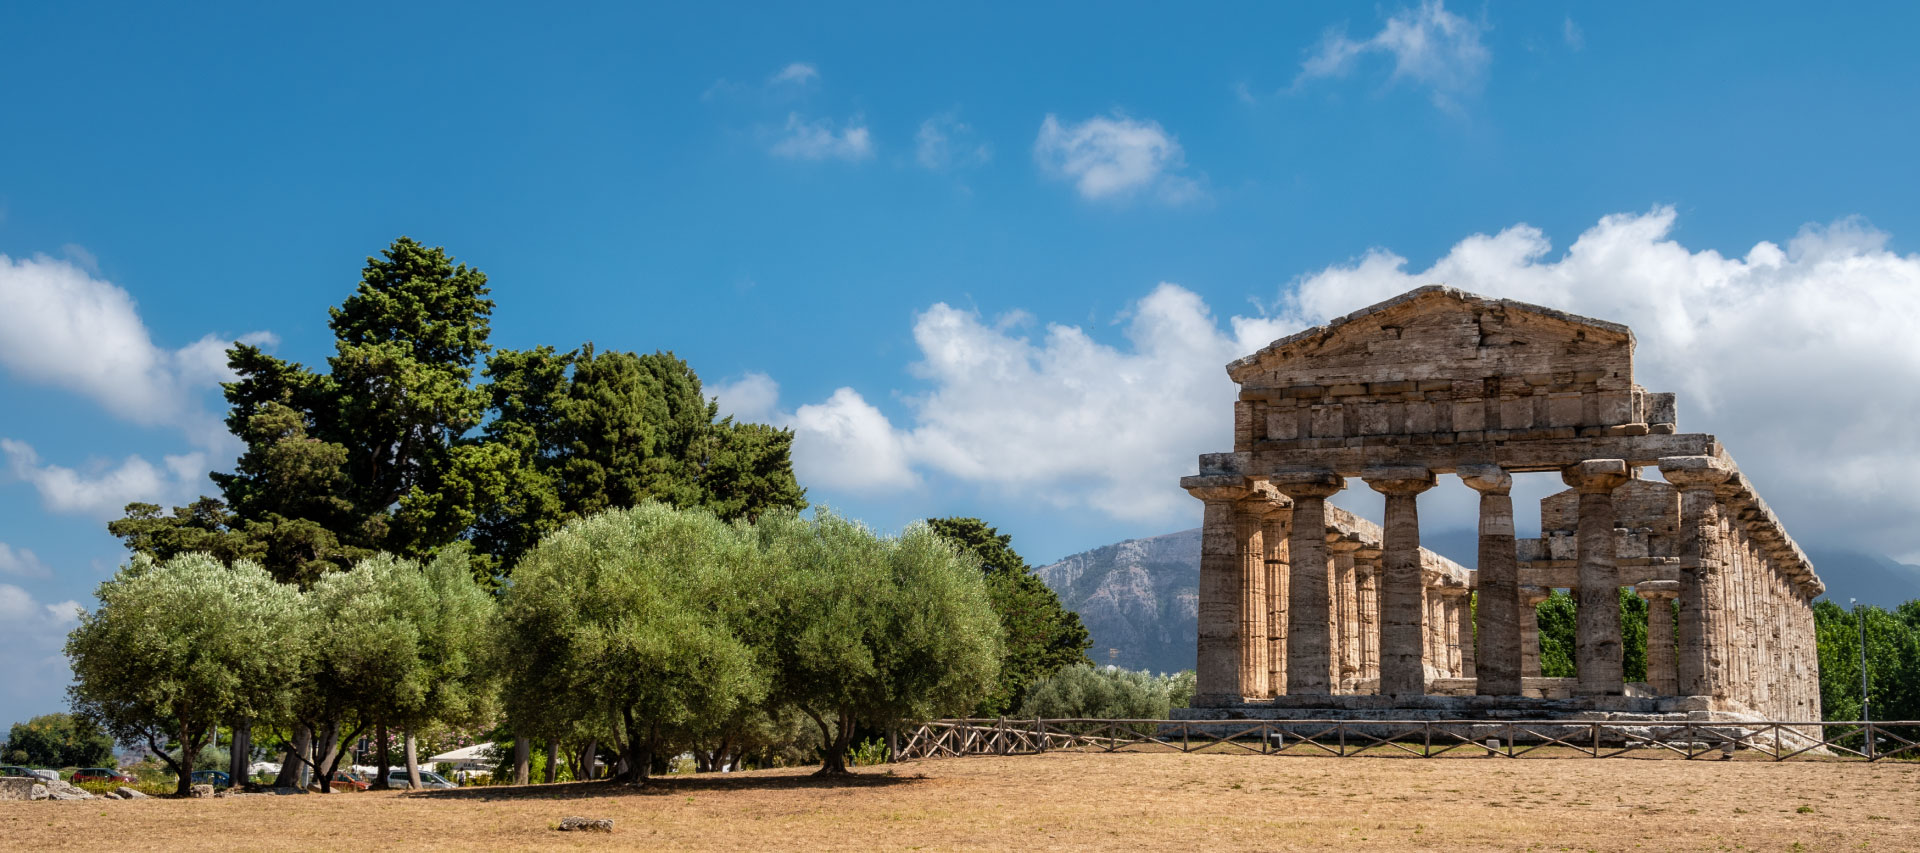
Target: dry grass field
{"x":1064,"y":801}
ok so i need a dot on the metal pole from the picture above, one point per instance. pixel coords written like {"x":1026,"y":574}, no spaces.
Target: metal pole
{"x":1866,"y":715}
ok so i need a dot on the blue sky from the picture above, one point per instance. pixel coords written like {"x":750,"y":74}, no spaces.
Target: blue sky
{"x":986,"y":261}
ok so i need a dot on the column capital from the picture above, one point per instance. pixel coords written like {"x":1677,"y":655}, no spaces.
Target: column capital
{"x":1276,"y":503}
{"x":1658,"y":590}
{"x":1486,"y":479}
{"x":1694,"y":472}
{"x":1308,"y":483}
{"x":1216,"y":487}
{"x":1345,"y":546}
{"x":1533,"y":595}
{"x":1595,"y":475}
{"x":1368,"y":554}
{"x":1398,"y":480}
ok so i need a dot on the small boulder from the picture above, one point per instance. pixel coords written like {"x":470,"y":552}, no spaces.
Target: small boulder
{"x":64,"y":791}
{"x":583,"y":824}
{"x":15,"y":787}
{"x":127,"y":793}
{"x":38,"y":792}
{"x":110,"y":795}
{"x":200,"y":792}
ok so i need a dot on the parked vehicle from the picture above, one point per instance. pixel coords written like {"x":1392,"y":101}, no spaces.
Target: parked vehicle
{"x":100,"y":774}
{"x":216,"y":778}
{"x":16,"y":770}
{"x":344,"y":780}
{"x":397,"y":778}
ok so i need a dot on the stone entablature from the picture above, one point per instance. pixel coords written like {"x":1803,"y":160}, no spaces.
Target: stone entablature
{"x":1438,"y":381}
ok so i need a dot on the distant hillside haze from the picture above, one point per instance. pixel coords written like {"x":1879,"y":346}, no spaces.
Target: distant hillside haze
{"x":1139,"y":600}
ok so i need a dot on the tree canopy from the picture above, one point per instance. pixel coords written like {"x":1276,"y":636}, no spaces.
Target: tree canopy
{"x":1039,"y":634}
{"x":57,"y":740}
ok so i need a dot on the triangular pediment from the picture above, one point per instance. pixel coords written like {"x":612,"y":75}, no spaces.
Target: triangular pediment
{"x":1436,"y":333}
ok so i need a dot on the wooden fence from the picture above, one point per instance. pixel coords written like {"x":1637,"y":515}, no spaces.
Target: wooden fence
{"x":1778,"y":741}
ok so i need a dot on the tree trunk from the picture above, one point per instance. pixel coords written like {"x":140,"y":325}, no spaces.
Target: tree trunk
{"x":384,"y":761}
{"x":413,"y":762}
{"x":293,"y":763}
{"x":553,"y":760}
{"x":189,"y":746}
{"x":521,"y":758}
{"x":329,"y":757}
{"x":587,"y":758}
{"x":240,"y":753}
{"x":834,"y":742}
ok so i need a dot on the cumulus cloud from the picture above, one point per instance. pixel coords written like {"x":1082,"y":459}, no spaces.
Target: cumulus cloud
{"x":797,"y":73}
{"x":62,"y":326}
{"x":1115,"y":157}
{"x":34,"y":671}
{"x":21,"y":562}
{"x":103,"y":490}
{"x":1572,"y":34}
{"x":1800,"y":357}
{"x":945,"y":142}
{"x":1430,"y":47}
{"x":850,"y":445}
{"x":818,"y":139}
{"x":750,"y":398}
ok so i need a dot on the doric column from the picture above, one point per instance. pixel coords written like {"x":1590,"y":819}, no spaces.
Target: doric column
{"x":1436,"y":633}
{"x":1469,"y":637}
{"x":1597,"y":647}
{"x":1253,"y":595}
{"x":1366,"y":563}
{"x":1309,"y":650}
{"x":1402,"y":590}
{"x":1457,"y":630}
{"x":1698,"y":666}
{"x":1498,"y":614}
{"x":1347,"y":623}
{"x":1274,"y":529}
{"x":1530,"y":598}
{"x":1660,"y":652}
{"x":1217,"y":668}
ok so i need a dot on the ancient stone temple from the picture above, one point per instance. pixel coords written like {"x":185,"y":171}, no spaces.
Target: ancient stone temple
{"x":1306,"y":608}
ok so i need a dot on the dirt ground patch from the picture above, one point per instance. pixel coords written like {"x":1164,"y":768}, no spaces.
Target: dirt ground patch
{"x":1062,"y":801}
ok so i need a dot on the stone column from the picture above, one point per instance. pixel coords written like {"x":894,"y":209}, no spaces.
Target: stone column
{"x":1660,"y":652}
{"x":1436,"y":634}
{"x":1469,"y":637}
{"x":1217,"y":668}
{"x":1530,"y":598}
{"x":1402,"y":589}
{"x":1498,"y":614}
{"x":1274,"y":529}
{"x":1597,"y":646}
{"x":1346,"y":594}
{"x":1367,"y":571}
{"x":1453,"y":603}
{"x":1253,"y":596}
{"x":1698,"y":666}
{"x":1309,"y":650}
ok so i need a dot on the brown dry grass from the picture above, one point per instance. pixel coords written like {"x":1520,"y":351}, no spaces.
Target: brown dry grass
{"x":1064,"y":801}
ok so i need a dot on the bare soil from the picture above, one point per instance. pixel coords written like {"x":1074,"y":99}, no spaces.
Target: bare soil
{"x":1065,"y":801}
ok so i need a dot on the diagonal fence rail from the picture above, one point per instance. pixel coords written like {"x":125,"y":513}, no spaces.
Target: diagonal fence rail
{"x":1766,"y":740}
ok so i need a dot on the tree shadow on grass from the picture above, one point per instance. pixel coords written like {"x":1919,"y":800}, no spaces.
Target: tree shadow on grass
{"x":670,"y":785}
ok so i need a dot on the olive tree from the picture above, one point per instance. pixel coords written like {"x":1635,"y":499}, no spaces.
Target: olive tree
{"x":874,"y":631}
{"x":175,"y":648}
{"x":626,"y":621}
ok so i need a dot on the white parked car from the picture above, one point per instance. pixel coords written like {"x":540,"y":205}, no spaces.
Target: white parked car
{"x":429,"y":780}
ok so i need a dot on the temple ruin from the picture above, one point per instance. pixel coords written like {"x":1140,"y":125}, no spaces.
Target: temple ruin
{"x":1306,"y":609}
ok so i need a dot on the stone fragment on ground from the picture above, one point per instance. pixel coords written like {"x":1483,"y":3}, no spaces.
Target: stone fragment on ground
{"x":201,"y":791}
{"x":127,"y":793}
{"x":39,"y":792}
{"x":16,"y":787}
{"x":582,"y":824}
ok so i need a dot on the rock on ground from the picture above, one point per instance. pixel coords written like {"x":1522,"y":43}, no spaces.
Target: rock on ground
{"x":127,"y":793}
{"x":582,"y":824}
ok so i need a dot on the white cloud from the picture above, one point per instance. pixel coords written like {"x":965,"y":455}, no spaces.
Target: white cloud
{"x":1801,"y":359}
{"x":818,"y":140}
{"x":846,"y":443}
{"x":34,"y":671}
{"x":798,"y":74}
{"x":1571,"y":32}
{"x":1114,"y":157}
{"x":1430,"y":47}
{"x":103,"y":490}
{"x":62,"y":326}
{"x":750,"y":398}
{"x":945,"y":142}
{"x":21,"y":562}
